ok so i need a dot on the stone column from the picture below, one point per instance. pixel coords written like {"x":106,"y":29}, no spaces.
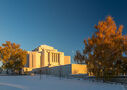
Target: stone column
{"x":42,"y":59}
{"x":30,"y":60}
{"x":54,"y":57}
{"x":50,"y":56}
{"x":57,"y":58}
{"x":34,"y":60}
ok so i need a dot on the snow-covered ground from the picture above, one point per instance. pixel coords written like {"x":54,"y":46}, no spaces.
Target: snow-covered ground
{"x":52,"y":83}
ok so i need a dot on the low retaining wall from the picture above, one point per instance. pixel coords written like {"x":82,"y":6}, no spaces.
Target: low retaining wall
{"x":63,"y":70}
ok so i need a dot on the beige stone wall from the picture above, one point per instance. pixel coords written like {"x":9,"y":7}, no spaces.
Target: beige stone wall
{"x":79,"y":69}
{"x":64,"y":70}
{"x":34,"y":60}
{"x":56,"y":58}
{"x":44,"y":56}
{"x":42,"y":59}
{"x":67,"y":60}
{"x":61,"y":58}
{"x":30,"y":60}
{"x":38,"y":60}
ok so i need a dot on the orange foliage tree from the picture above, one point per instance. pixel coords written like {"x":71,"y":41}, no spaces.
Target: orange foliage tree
{"x":12,"y":56}
{"x":105,"y":52}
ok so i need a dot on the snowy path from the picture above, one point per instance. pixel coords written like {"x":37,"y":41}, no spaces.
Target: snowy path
{"x":52,"y":83}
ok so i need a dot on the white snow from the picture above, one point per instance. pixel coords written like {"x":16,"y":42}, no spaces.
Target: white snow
{"x":52,"y":83}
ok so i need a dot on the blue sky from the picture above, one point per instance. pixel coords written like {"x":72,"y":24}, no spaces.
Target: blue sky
{"x":63,"y":24}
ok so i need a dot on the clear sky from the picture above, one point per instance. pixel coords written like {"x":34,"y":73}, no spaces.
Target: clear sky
{"x":63,"y":24}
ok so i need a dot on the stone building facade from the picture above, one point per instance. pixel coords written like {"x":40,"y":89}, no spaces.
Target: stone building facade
{"x":44,"y":56}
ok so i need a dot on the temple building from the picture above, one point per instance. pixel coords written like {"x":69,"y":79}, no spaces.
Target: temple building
{"x":44,"y":56}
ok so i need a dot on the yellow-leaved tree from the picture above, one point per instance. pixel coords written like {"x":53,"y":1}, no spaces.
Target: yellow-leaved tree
{"x":105,"y":52}
{"x":13,"y":57}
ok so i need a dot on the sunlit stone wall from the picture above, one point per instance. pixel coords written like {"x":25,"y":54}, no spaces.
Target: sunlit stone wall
{"x":44,"y":55}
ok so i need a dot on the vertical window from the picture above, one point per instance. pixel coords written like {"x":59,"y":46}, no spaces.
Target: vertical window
{"x":48,"y":58}
{"x":52,"y":57}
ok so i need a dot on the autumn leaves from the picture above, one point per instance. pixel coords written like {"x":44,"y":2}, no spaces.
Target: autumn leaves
{"x":103,"y":52}
{"x":13,"y":57}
